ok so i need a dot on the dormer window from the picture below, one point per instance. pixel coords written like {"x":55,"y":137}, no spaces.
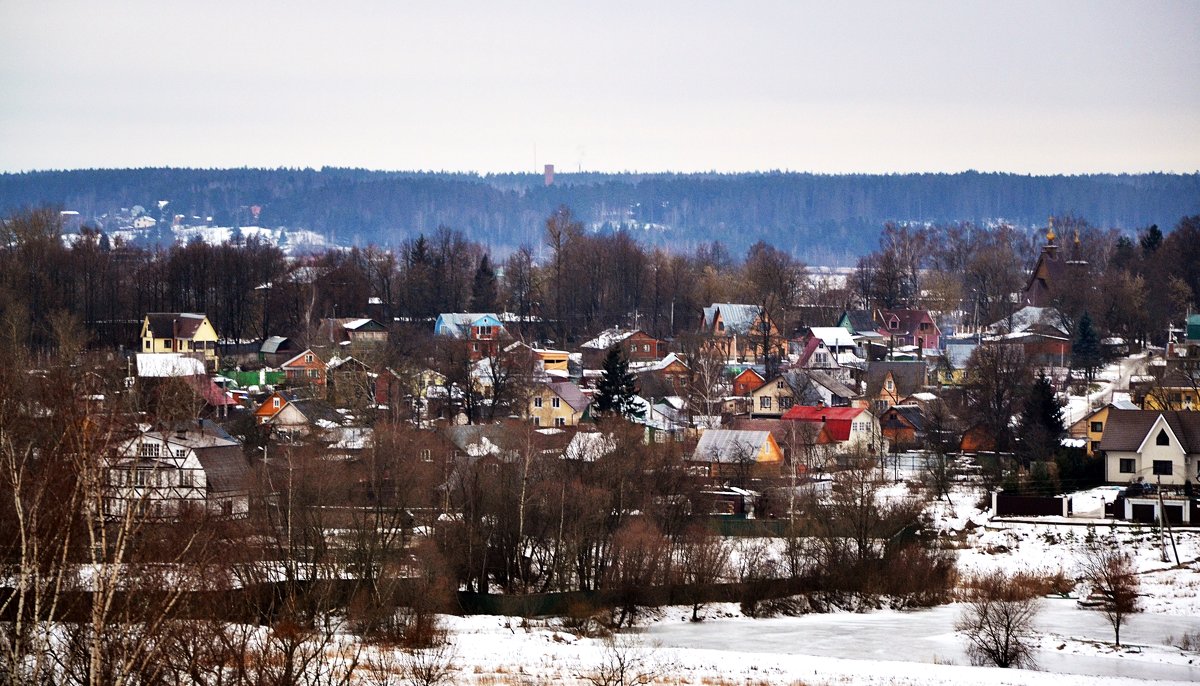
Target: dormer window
{"x":893,"y":324}
{"x":1163,"y":438}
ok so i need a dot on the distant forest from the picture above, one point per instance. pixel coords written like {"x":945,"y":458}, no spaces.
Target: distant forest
{"x":821,"y":219}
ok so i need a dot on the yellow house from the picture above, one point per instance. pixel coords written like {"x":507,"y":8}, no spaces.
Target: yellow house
{"x":559,"y":403}
{"x":738,"y":455}
{"x":181,"y":332}
{"x":1091,"y":428}
{"x":1177,"y":390}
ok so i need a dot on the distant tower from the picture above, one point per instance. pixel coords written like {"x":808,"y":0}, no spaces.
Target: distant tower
{"x":549,"y":174}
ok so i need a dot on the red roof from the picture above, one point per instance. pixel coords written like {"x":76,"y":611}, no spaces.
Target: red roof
{"x":836,"y":421}
{"x":811,"y":413}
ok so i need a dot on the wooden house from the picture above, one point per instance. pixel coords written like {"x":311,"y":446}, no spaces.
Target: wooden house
{"x":186,"y":333}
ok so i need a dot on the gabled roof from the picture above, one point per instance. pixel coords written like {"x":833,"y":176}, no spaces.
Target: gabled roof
{"x":174,"y":324}
{"x":1028,"y":318}
{"x":908,"y":321}
{"x":862,"y":321}
{"x":458,"y":324}
{"x":302,"y":353}
{"x":749,"y":370}
{"x":911,"y":414}
{"x":808,"y":413}
{"x":909,"y":377}
{"x":833,"y":336}
{"x":1126,"y":430}
{"x":727,"y":445}
{"x":276,"y":344}
{"x":362,"y":325}
{"x":159,"y":365}
{"x":348,"y":362}
{"x":213,"y":394}
{"x":570,"y":394}
{"x":318,"y":412}
{"x":738,"y":318}
{"x":608,"y":338}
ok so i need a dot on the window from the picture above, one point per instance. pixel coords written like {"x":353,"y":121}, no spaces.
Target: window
{"x":555,"y":402}
{"x":1128,"y":466}
{"x":764,"y":402}
{"x":1097,"y":427}
{"x":275,"y":403}
{"x":560,"y":421}
{"x":474,"y":347}
{"x":308,"y":359}
{"x":185,"y":477}
{"x":1163,"y":467}
{"x":893,"y":324}
{"x":314,"y":373}
{"x":149,"y":450}
{"x":1163,"y":439}
{"x":537,"y":402}
{"x":659,"y":437}
{"x":146,"y":345}
{"x":779,"y":384}
{"x":427,"y":455}
{"x":537,"y":421}
{"x":890,"y":385}
{"x":645,"y":347}
{"x":181,"y":452}
{"x":141,"y":477}
{"x":785,"y":402}
{"x":720,"y":326}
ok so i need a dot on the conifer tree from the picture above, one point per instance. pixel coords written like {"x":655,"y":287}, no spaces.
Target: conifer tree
{"x":1085,"y":350}
{"x":1041,"y":421}
{"x":617,"y":386}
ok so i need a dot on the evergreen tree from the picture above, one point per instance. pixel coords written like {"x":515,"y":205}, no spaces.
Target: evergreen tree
{"x":1041,"y":422}
{"x":484,"y":293}
{"x":1085,"y":350}
{"x":616,"y":389}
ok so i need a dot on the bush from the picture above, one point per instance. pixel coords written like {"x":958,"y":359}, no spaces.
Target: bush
{"x":997,"y":621}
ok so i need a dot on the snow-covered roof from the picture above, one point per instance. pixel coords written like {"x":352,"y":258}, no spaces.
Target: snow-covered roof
{"x":354,"y":324}
{"x":608,"y":338}
{"x":158,"y":365}
{"x":1026,"y":317}
{"x":833,"y":336}
{"x":589,"y":446}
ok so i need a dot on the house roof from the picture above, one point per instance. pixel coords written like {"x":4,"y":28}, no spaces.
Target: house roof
{"x":362,"y":325}
{"x":570,"y":394}
{"x":1028,"y":319}
{"x":589,"y":446}
{"x":347,"y":362}
{"x":913,"y":415}
{"x":909,"y":377}
{"x":608,"y":338}
{"x":159,"y":365}
{"x":808,"y":413}
{"x":276,"y":344}
{"x":833,"y":336}
{"x":738,"y":318}
{"x":302,"y":353}
{"x":174,"y":324}
{"x":728,"y":445}
{"x":862,"y":321}
{"x":458,"y":324}
{"x":749,"y":370}
{"x":318,"y":412}
{"x":225,"y":468}
{"x":908,"y":321}
{"x":830,"y":383}
{"x":1125,"y":430}
{"x":213,"y":394}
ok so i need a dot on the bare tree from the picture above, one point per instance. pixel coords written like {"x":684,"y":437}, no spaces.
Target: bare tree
{"x":704,"y":559}
{"x":997,"y":621}
{"x":1112,"y":575}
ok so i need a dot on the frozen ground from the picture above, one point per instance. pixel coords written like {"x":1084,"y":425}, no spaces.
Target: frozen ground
{"x":886,"y":646}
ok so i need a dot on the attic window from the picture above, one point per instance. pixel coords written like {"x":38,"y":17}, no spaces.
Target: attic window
{"x":1163,"y":438}
{"x":893,"y":324}
{"x":275,"y":403}
{"x":308,"y":359}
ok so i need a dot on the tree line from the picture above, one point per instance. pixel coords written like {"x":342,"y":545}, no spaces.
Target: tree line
{"x":826,"y":219}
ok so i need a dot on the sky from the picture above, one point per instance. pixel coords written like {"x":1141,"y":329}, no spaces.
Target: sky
{"x":838,"y":87}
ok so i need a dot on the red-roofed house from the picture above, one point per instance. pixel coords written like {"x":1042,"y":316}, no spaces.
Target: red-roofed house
{"x":845,"y":428}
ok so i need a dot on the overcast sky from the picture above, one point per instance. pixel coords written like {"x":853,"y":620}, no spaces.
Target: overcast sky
{"x":1038,"y":87}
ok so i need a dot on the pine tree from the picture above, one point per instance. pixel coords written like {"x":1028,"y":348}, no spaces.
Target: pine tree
{"x":484,"y":293}
{"x":1085,"y":350}
{"x":616,"y":389}
{"x":1041,"y":421}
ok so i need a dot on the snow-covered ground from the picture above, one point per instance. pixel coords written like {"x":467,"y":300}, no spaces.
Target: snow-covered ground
{"x":1074,"y":645}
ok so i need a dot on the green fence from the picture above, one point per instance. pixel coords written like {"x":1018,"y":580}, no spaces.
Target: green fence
{"x":246,"y":379}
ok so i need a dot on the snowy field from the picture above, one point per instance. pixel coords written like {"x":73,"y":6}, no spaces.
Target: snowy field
{"x":1074,"y":645}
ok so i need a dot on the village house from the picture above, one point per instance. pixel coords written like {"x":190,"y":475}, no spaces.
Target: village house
{"x":277,"y":349}
{"x":668,"y":376}
{"x":305,"y":369}
{"x":904,"y":427}
{"x":738,"y":456}
{"x":636,"y":345}
{"x":890,"y":382}
{"x":1090,"y":428}
{"x":909,"y":328}
{"x":830,"y":349}
{"x":356,"y":332}
{"x":798,"y":387}
{"x":163,"y":475}
{"x":185,"y":333}
{"x":739,"y":331}
{"x":557,"y":404}
{"x":349,"y":382}
{"x":481,"y":331}
{"x":1040,"y":331}
{"x":1159,"y":447}
{"x":844,"y":429}
{"x":747,"y":381}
